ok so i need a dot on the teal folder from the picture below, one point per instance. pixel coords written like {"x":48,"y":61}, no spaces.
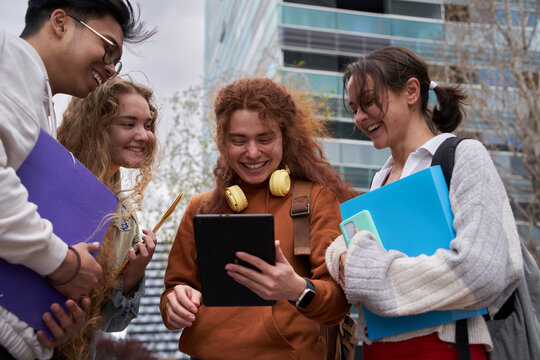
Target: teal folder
{"x":411,"y":215}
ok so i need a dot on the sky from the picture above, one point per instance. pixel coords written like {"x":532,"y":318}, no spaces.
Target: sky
{"x":170,"y":61}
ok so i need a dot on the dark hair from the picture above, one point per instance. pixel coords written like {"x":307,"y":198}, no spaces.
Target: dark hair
{"x":121,"y":10}
{"x":300,"y":128}
{"x":391,"y":68}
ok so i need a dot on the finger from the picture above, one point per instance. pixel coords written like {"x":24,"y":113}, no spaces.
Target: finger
{"x":53,"y":326}
{"x":177,"y":321}
{"x":280,"y":258}
{"x":254,"y":286}
{"x":84,"y":303}
{"x":143,"y":251}
{"x":179,"y":313}
{"x":196,"y":298}
{"x":62,"y":317}
{"x":342,"y":260}
{"x":75,"y":311}
{"x":183,"y":297}
{"x":255,"y":276}
{"x":132,"y":254}
{"x":150,"y":246}
{"x":92,"y":247}
{"x":253,"y":260}
{"x":44,"y":340}
{"x":181,"y":316}
{"x":150,"y":234}
{"x":149,"y":241}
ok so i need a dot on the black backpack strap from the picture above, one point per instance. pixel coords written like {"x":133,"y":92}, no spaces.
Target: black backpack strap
{"x":445,"y":157}
{"x":462,"y":340}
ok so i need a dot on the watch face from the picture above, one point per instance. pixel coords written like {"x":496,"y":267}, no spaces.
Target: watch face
{"x":306,"y":299}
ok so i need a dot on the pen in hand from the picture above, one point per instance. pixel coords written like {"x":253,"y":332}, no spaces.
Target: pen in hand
{"x":168,"y":213}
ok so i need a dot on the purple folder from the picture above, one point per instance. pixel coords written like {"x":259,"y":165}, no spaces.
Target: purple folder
{"x":75,"y":202}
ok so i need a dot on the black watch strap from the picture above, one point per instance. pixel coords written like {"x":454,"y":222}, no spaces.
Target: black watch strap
{"x":306,"y":297}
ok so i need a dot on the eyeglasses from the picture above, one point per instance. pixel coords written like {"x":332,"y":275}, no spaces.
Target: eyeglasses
{"x":112,"y":52}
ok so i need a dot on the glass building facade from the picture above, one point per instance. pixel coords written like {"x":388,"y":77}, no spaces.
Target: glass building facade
{"x":312,"y":41}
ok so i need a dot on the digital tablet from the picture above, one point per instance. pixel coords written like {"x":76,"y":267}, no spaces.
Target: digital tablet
{"x":218,"y":238}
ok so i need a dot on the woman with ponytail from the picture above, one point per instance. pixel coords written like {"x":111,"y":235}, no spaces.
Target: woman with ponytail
{"x":388,"y":92}
{"x":114,"y":128}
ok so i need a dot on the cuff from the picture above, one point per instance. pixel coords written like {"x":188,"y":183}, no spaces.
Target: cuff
{"x":334,"y":251}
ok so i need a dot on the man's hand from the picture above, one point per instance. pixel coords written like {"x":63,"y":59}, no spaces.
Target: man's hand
{"x":86,"y":278}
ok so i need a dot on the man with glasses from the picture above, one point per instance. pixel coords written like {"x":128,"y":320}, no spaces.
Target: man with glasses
{"x":70,"y":47}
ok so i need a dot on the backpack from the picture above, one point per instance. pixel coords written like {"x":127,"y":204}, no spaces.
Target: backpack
{"x":340,"y":339}
{"x":515,"y":329}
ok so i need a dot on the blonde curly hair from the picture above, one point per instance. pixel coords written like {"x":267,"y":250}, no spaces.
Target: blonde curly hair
{"x":84,"y":132}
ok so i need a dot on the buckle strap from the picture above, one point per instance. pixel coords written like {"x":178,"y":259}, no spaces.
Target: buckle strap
{"x":300,"y":210}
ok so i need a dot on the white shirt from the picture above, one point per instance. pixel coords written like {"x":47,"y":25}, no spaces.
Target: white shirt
{"x":418,"y":160}
{"x":25,"y":238}
{"x":25,"y":106}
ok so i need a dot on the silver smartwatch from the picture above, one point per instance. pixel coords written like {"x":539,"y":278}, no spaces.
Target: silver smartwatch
{"x":306,"y":296}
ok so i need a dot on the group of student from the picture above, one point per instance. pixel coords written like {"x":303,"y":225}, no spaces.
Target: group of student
{"x":74,"y":47}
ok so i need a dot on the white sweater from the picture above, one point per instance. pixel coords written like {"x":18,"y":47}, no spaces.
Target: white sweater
{"x":25,"y":238}
{"x":481,"y":269}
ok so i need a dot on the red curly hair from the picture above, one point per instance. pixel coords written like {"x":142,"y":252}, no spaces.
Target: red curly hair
{"x":295,"y":114}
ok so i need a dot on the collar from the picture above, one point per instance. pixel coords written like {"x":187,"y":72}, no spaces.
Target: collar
{"x":433,"y":144}
{"x":421,"y":154}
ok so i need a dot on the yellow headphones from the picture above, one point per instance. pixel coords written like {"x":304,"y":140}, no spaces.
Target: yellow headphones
{"x":279,"y":185}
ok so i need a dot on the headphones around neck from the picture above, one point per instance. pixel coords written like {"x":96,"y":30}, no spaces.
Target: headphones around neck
{"x":279,"y":184}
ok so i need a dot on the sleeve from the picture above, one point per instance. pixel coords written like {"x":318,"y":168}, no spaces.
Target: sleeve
{"x":329,"y":305}
{"x":182,"y":267}
{"x":121,"y":309}
{"x":25,"y":238}
{"x":333,"y":253}
{"x":481,"y":268}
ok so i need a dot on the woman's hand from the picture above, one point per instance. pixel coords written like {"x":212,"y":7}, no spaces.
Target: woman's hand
{"x":63,"y":326}
{"x":182,"y":305}
{"x":274,"y":282}
{"x":139,"y":260}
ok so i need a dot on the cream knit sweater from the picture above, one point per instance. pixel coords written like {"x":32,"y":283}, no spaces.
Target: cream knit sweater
{"x":482,"y":267}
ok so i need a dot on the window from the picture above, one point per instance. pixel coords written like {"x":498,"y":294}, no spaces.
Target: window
{"x":307,"y":60}
{"x":456,"y":12}
{"x":344,"y":130}
{"x":376,"y":6}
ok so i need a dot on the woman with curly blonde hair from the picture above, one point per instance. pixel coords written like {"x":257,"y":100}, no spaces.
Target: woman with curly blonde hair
{"x":112,"y":128}
{"x":262,"y":127}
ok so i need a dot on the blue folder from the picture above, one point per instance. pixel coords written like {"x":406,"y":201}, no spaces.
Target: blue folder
{"x":412,"y":215}
{"x":75,"y":202}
